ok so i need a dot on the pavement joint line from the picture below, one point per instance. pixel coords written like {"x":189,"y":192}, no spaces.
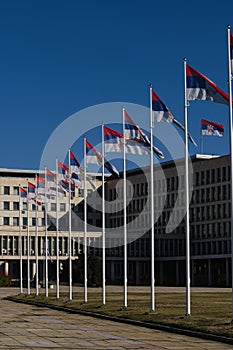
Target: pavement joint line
{"x":160,"y":327}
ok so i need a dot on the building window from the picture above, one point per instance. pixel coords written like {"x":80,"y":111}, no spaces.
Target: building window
{"x":7,"y":190}
{"x":53,"y":207}
{"x":16,"y":190}
{"x":6,"y":221}
{"x":43,"y":221}
{"x":15,"y":205}
{"x":34,"y":207}
{"x":6,"y":205}
{"x":25,"y":221}
{"x":15,"y":221}
{"x":25,"y":206}
{"x":33,"y":221}
{"x":62,"y":207}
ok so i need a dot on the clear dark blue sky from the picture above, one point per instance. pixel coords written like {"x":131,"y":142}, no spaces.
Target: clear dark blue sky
{"x":58,"y":57}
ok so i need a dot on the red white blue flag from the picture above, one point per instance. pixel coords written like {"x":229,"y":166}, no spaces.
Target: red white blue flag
{"x":199,"y":87}
{"x":112,"y":140}
{"x":65,"y":185}
{"x":62,"y":169}
{"x":94,"y":157}
{"x":76,"y":180}
{"x":114,"y":143}
{"x":23,"y":194}
{"x":162,"y":113}
{"x":211,"y":128}
{"x":135,"y":133}
{"x":31,"y":191}
{"x":74,"y":164}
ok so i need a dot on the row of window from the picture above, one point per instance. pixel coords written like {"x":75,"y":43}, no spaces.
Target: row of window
{"x":15,"y":221}
{"x":50,"y":206}
{"x":14,"y":190}
{"x":212,"y":176}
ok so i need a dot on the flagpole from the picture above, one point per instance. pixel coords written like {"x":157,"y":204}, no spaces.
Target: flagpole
{"x":85,"y":223}
{"x":46,"y":238}
{"x":57,"y":232}
{"x":70,"y":236}
{"x":201,"y":141}
{"x":231,"y":146}
{"x":28,"y":245}
{"x":20,"y":242}
{"x":36,"y":244}
{"x":152,"y":208}
{"x":188,"y":311}
{"x":103,"y":221}
{"x":125,"y":212}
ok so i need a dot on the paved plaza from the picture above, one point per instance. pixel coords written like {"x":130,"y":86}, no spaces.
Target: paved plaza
{"x":29,"y":327}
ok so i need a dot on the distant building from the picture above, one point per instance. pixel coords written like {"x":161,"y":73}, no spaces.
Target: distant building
{"x":10,"y":227}
{"x":210,"y":232}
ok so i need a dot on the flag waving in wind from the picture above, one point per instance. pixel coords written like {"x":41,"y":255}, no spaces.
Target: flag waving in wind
{"x":23,"y":194}
{"x":114,"y":143}
{"x":199,"y":87}
{"x":112,"y":140}
{"x":211,"y":128}
{"x":94,"y":157}
{"x":162,"y":113}
{"x":75,"y":166}
{"x":31,"y":191}
{"x":134,"y":132}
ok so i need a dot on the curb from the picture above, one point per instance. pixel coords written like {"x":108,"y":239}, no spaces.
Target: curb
{"x":160,"y":327}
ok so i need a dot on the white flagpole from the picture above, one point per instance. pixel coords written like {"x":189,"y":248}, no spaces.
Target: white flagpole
{"x":152,"y":208}
{"x":28,"y":244}
{"x":46,"y":238}
{"x":85,"y":223}
{"x":231,"y":147}
{"x":20,"y":245}
{"x":36,"y":244}
{"x":70,"y":236}
{"x":103,"y":221}
{"x":125,"y":213}
{"x":188,"y":311}
{"x":201,"y":141}
{"x":57,"y":231}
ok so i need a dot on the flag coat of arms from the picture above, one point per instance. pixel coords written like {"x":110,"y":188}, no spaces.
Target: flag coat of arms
{"x":199,"y":87}
{"x":211,"y":128}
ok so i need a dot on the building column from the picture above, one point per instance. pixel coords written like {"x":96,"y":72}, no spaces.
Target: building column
{"x":177,"y":272}
{"x":137,"y":273}
{"x":33,"y":270}
{"x":6,"y":268}
{"x":112,"y":271}
{"x":209,"y":273}
{"x":227,"y":272}
{"x":161,"y":272}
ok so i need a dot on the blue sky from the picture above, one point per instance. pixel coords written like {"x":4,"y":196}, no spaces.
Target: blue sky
{"x":59,"y":57}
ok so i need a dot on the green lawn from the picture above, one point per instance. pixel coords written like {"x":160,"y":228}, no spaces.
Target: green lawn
{"x":211,"y":312}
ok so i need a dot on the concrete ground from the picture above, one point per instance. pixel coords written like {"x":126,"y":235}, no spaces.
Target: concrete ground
{"x":29,"y":327}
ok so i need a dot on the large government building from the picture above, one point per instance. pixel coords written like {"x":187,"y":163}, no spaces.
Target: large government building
{"x":210,"y":233}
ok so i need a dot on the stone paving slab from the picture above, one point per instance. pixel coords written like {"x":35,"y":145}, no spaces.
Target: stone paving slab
{"x":25,"y":326}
